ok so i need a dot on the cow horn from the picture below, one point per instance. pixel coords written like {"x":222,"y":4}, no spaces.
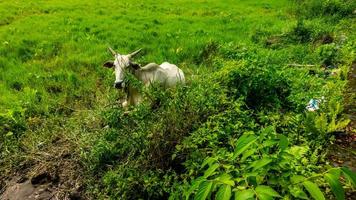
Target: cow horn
{"x":134,"y":53}
{"x":112,"y":51}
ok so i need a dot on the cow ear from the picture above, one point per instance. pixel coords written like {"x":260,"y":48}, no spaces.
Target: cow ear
{"x":135,"y":65}
{"x":109,"y":64}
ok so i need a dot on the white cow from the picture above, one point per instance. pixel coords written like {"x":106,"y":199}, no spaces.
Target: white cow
{"x":165,"y":74}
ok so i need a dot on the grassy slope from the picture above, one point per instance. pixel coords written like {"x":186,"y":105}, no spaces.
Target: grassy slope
{"x":52,"y":50}
{"x":51,"y":55}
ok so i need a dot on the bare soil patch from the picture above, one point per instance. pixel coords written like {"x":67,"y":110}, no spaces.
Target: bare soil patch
{"x":343,"y":152}
{"x":54,"y":173}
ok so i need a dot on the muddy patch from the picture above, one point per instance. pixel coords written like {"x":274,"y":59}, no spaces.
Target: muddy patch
{"x":54,"y":173}
{"x":343,"y":151}
{"x":26,"y":190}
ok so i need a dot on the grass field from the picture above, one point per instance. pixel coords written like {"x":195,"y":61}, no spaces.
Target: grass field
{"x":251,"y":66}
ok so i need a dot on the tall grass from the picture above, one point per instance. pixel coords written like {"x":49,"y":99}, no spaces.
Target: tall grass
{"x":237,"y":58}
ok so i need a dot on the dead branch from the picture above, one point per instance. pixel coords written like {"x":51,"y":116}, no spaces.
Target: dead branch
{"x":300,"y":65}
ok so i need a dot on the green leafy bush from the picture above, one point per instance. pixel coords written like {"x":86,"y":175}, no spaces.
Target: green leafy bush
{"x":301,"y":33}
{"x":261,"y":86}
{"x":328,"y":54}
{"x":261,"y":165}
{"x":335,"y":9}
{"x":186,"y":141}
{"x":140,"y":145}
{"x":159,"y":147}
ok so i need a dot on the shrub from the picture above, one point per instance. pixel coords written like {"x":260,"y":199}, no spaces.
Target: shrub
{"x":259,"y":166}
{"x":334,"y":9}
{"x":159,"y":147}
{"x":328,"y":54}
{"x":301,"y":33}
{"x":141,"y":144}
{"x":207,"y":52}
{"x":259,"y":85}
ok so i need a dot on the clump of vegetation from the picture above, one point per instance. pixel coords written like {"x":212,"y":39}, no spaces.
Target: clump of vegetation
{"x":301,"y":33}
{"x":144,"y":140}
{"x":328,"y":53}
{"x":258,"y":167}
{"x":238,"y":128}
{"x":331,"y":9}
{"x":261,"y":87}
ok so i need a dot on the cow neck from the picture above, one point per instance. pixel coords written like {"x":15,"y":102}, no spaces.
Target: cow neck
{"x":136,"y":73}
{"x":128,"y":89}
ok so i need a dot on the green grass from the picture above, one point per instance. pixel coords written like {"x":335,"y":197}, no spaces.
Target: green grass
{"x":67,"y":38}
{"x":235,"y":55}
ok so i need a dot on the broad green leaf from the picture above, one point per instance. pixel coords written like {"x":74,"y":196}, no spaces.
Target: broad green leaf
{"x":243,"y":143}
{"x":204,"y":190}
{"x":264,"y":189}
{"x":260,"y":163}
{"x":283,"y":142}
{"x":224,"y":193}
{"x":247,"y":154}
{"x":335,"y":185}
{"x":244,"y":194}
{"x":269,"y":143}
{"x":226,"y":179}
{"x":349,"y":175}
{"x":297,"y":192}
{"x":195,"y":185}
{"x":297,"y":179}
{"x":252,"y":180}
{"x":211,"y":170}
{"x":313,"y":190}
{"x":262,"y":196}
{"x":335,"y":171}
{"x":248,"y":174}
{"x":207,"y":161}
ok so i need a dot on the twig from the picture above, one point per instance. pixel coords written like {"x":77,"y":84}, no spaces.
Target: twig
{"x":300,"y":65}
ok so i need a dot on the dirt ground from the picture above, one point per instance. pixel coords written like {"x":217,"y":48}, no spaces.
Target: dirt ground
{"x":343,"y":152}
{"x":52,"y":174}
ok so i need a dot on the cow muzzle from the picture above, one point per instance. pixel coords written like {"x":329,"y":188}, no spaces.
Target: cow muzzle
{"x":119,"y":84}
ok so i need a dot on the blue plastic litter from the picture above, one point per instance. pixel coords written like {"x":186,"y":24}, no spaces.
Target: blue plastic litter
{"x":313,"y":104}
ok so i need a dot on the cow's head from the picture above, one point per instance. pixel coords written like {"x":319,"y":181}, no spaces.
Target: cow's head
{"x":120,"y":64}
